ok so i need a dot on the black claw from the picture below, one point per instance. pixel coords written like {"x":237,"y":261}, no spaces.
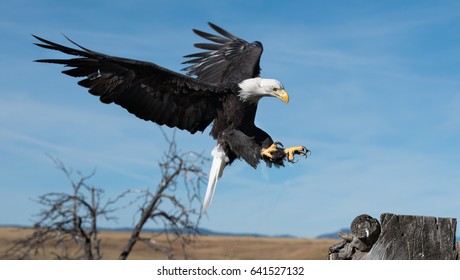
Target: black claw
{"x":303,"y":152}
{"x":279,"y":145}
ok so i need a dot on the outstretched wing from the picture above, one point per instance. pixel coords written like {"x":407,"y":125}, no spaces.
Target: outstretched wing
{"x":145,"y":89}
{"x":231,"y":59}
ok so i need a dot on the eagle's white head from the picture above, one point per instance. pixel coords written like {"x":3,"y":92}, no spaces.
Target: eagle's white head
{"x":252,"y":90}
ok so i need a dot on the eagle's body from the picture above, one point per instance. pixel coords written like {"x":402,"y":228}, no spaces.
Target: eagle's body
{"x":226,"y":90}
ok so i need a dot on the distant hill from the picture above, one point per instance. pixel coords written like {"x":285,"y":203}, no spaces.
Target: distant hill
{"x":202,"y":231}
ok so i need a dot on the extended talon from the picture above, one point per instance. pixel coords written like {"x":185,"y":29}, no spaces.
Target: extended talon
{"x":296,"y":150}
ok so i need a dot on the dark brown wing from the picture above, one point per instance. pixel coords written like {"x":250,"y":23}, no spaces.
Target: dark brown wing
{"x":145,"y":89}
{"x":231,"y":59}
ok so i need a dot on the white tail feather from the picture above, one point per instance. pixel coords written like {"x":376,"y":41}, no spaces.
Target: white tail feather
{"x":219,"y":159}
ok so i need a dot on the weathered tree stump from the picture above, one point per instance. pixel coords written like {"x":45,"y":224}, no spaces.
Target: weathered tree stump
{"x":365,"y":231}
{"x":402,"y":237}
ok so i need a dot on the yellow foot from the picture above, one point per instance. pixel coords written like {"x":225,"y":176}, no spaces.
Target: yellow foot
{"x":268,"y":153}
{"x":297,"y":150}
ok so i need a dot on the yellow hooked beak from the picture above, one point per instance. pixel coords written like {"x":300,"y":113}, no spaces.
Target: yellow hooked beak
{"x":283,"y":95}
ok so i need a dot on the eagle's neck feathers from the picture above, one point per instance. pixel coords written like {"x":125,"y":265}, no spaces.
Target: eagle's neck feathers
{"x":250,"y":90}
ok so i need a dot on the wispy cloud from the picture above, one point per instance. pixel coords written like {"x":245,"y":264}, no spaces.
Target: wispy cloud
{"x":91,"y":137}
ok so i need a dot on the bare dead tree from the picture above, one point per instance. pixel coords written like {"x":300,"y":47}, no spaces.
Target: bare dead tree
{"x":67,"y":226}
{"x":178,"y":217}
{"x":66,"y":220}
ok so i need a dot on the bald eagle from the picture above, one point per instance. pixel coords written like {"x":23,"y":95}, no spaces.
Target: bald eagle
{"x":221,"y":85}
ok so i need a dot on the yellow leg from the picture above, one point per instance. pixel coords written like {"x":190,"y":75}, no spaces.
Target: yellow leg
{"x":268,"y":152}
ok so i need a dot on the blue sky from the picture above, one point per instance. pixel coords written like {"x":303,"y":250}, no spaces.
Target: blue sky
{"x":375,"y":95}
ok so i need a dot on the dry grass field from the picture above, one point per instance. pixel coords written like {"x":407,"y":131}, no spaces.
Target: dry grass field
{"x":204,"y":247}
